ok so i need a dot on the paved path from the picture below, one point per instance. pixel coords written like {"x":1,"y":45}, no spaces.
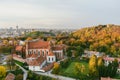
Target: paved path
{"x":54,"y":76}
{"x":25,"y":72}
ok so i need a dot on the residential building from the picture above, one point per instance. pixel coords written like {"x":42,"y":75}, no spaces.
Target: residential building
{"x":90,"y":53}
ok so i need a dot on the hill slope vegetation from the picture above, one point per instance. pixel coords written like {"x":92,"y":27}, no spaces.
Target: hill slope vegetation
{"x":103,"y":38}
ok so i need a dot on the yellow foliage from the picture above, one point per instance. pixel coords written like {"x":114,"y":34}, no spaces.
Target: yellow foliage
{"x":56,"y":65}
{"x":5,"y":42}
{"x":2,"y":72}
{"x":79,"y":68}
{"x":100,"y":61}
{"x":29,"y":38}
{"x":93,"y":65}
{"x":56,"y":68}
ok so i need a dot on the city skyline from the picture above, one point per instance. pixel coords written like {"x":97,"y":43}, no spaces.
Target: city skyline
{"x":58,"y":13}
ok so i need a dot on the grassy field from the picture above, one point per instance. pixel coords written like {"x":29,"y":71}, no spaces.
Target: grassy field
{"x":70,"y":70}
{"x":117,"y":76}
{"x":20,"y":63}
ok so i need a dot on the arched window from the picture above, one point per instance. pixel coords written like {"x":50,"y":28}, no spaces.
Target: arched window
{"x":49,"y":58}
{"x":32,"y":51}
{"x":38,"y":52}
{"x":47,"y":52}
{"x":43,"y":53}
{"x":52,"y":58}
{"x":29,"y":52}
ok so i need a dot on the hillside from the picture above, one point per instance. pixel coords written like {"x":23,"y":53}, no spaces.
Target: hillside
{"x":36,"y":34}
{"x":103,"y":38}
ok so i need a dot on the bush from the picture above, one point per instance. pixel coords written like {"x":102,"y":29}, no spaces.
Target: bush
{"x":19,"y":77}
{"x":56,"y":68}
{"x":65,"y":63}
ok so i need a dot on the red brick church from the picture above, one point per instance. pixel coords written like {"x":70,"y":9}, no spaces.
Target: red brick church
{"x":42,"y":54}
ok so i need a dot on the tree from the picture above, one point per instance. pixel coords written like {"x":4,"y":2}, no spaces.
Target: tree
{"x":79,"y":51}
{"x":29,"y":38}
{"x":100,"y":62}
{"x":65,"y":63}
{"x":5,"y":42}
{"x":2,"y":72}
{"x":107,"y":71}
{"x":56,"y":68}
{"x":79,"y":71}
{"x":114,"y":68}
{"x":113,"y":50}
{"x":10,"y":62}
{"x":93,"y":66}
{"x":101,"y":67}
{"x":41,"y":78}
{"x":19,"y":77}
{"x":69,"y":52}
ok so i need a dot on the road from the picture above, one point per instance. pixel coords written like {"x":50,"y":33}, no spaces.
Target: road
{"x":25,"y":72}
{"x":54,"y":76}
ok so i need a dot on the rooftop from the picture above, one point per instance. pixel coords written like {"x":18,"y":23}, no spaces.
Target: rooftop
{"x":40,"y":44}
{"x":10,"y":76}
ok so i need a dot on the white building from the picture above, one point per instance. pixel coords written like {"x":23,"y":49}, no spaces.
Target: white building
{"x":90,"y":53}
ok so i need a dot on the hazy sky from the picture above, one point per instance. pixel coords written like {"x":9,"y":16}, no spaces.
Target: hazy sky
{"x":58,"y":13}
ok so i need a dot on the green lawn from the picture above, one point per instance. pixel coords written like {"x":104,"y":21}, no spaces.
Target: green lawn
{"x":117,"y":76}
{"x":17,"y":62}
{"x":70,"y":71}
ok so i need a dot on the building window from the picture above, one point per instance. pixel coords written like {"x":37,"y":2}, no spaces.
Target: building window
{"x":38,"y":52}
{"x":52,"y":59}
{"x":34,"y":68}
{"x":49,"y":58}
{"x":47,"y":52}
{"x":34,"y":52}
{"x":43,"y":53}
{"x":29,"y":52}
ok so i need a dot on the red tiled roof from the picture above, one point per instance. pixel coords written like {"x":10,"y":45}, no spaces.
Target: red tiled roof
{"x":33,"y":63}
{"x":10,"y":76}
{"x":51,"y":54}
{"x":48,"y":67}
{"x":103,"y":78}
{"x":34,"y":55}
{"x":36,"y":62}
{"x":111,"y":59}
{"x":57,"y":48}
{"x":18,"y":48}
{"x":38,"y":44}
{"x":18,"y":58}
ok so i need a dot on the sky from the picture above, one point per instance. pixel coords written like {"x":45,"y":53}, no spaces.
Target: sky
{"x":58,"y":13}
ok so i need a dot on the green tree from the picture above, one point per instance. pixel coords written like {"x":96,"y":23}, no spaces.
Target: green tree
{"x":41,"y":78}
{"x":19,"y":77}
{"x":101,"y":66}
{"x":79,"y":51}
{"x":69,"y":52}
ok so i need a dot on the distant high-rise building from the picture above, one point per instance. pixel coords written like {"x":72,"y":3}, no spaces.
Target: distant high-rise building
{"x":17,"y":27}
